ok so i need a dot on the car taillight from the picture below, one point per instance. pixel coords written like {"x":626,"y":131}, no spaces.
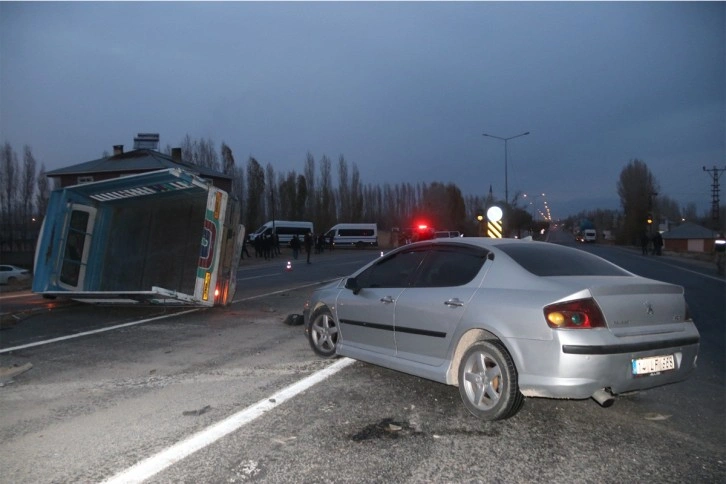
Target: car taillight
{"x":579,"y":314}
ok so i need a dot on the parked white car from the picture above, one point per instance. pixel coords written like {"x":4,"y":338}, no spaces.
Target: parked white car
{"x":13,"y":275}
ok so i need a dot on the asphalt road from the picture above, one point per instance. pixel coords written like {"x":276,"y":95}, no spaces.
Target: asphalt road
{"x":221,"y":395}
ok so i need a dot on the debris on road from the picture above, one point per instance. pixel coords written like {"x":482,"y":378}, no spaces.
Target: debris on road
{"x":8,"y":373}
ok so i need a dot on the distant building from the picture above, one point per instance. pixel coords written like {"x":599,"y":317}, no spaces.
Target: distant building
{"x":142,"y":159}
{"x":689,"y":237}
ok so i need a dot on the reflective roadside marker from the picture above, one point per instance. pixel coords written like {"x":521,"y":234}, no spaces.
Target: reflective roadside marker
{"x":288,"y":267}
{"x":494,"y":222}
{"x":494,"y":229}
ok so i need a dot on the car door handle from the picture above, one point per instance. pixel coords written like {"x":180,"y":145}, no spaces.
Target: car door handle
{"x":456,"y":302}
{"x":387,"y":299}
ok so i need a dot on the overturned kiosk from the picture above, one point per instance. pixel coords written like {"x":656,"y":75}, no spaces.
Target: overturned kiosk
{"x":163,"y":237}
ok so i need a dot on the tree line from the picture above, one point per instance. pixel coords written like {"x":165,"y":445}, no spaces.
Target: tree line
{"x":323,"y":192}
{"x":327,"y":192}
{"x":24,"y":195}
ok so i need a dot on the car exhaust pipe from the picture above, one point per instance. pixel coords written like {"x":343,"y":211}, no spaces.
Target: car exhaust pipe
{"x":604,"y":398}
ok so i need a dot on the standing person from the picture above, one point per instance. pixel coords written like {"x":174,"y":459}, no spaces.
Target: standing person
{"x":657,"y":243}
{"x":308,"y":243}
{"x":644,"y":243}
{"x":276,"y":240}
{"x":257,"y":243}
{"x":244,"y":246}
{"x":295,"y":246}
{"x":267,"y":246}
{"x":331,"y":244}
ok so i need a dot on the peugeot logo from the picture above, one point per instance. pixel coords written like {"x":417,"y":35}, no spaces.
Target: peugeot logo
{"x":648,"y":308}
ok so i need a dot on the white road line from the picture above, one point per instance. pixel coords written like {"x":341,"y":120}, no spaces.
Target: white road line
{"x":142,"y":321}
{"x":95,"y":331}
{"x":284,"y":290}
{"x":676,"y":266}
{"x":721,"y":279}
{"x":15,"y":295}
{"x":164,"y":459}
{"x":256,"y":277}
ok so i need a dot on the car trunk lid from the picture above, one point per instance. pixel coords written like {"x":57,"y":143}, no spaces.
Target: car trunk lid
{"x":640,"y":307}
{"x":635,"y":305}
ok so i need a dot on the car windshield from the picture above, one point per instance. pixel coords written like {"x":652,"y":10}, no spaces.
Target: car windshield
{"x":544,"y":260}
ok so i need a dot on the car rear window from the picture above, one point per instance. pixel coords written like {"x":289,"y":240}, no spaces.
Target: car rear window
{"x":545,"y":259}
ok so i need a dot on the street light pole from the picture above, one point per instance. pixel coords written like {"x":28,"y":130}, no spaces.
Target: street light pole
{"x":506,"y":179}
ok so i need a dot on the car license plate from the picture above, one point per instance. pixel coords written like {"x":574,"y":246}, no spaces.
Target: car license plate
{"x":653,"y":364}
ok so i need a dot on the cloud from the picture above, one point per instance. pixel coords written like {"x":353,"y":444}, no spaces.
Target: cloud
{"x":404,"y":90}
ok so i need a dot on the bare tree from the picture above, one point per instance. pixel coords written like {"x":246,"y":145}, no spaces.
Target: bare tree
{"x":343,"y":191}
{"x":238,"y":183}
{"x":668,"y":208}
{"x":27,"y":193}
{"x":326,"y":200}
{"x":229,"y":167}
{"x":227,"y":160}
{"x":8,"y":194}
{"x":272,"y":200}
{"x":255,"y":194}
{"x":188,"y":146}
{"x":206,"y":154}
{"x":356,"y":196}
{"x":637,"y":188}
{"x":690,"y":212}
{"x":288,"y":196}
{"x":43,"y":193}
{"x":372,"y":204}
{"x":311,"y":202}
{"x":200,"y":152}
{"x":302,"y":198}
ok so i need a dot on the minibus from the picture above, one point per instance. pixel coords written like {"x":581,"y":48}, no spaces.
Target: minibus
{"x":353,"y":235}
{"x":285,"y":230}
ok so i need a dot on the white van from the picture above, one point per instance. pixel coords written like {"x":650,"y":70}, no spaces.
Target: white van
{"x":445,"y":234}
{"x":353,"y":235}
{"x":589,"y":235}
{"x":285,"y":230}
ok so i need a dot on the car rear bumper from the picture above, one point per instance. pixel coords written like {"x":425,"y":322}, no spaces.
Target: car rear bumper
{"x":579,"y":370}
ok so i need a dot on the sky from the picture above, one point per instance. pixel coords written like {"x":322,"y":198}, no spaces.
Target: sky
{"x":403,"y":90}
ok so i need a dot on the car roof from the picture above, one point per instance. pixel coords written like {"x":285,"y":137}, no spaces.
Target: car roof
{"x":491,"y":244}
{"x":485,"y":242}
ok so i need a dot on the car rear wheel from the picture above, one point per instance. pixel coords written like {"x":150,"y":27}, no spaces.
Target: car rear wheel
{"x":488,"y":382}
{"x":323,"y":334}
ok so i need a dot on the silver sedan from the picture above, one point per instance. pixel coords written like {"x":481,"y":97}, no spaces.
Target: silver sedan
{"x":505,"y":319}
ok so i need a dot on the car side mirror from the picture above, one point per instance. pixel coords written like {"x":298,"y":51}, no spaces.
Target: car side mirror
{"x":352,"y":284}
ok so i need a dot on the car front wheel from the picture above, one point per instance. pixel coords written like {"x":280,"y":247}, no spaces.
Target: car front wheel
{"x":323,"y":334}
{"x":488,"y":382}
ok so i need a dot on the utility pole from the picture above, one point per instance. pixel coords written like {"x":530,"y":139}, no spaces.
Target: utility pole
{"x":506,"y":177}
{"x":715,"y":174}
